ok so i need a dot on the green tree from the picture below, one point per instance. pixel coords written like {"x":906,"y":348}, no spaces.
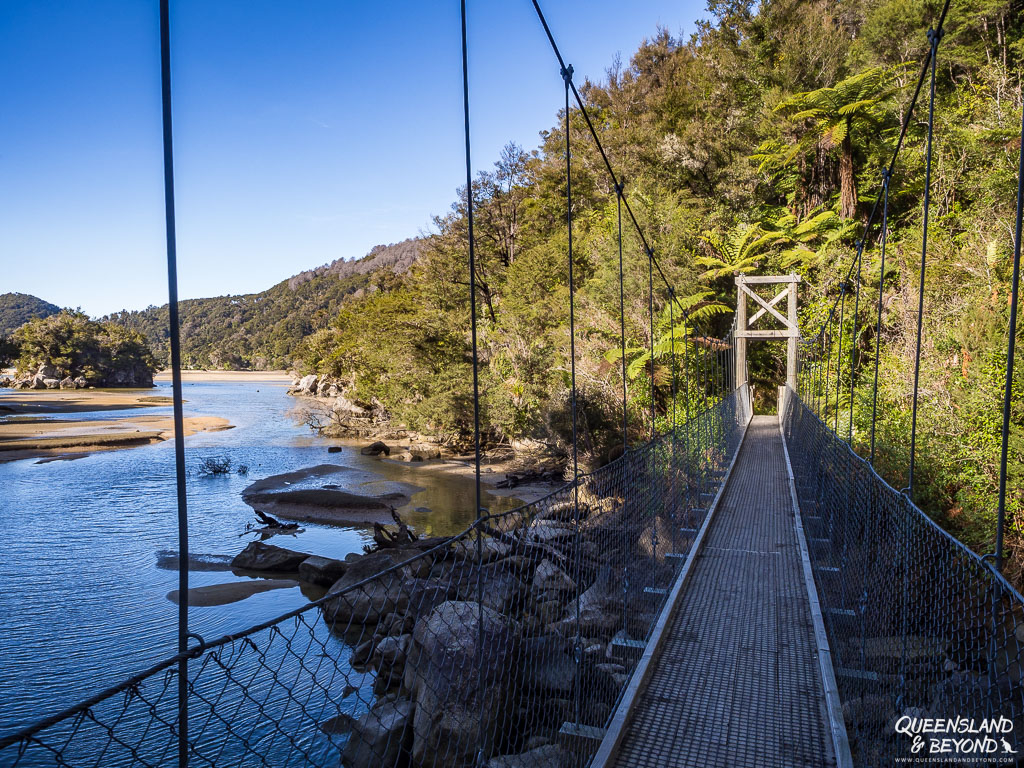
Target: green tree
{"x":8,"y":351}
{"x":739,"y":251}
{"x":105,"y":354}
{"x":833,"y":116}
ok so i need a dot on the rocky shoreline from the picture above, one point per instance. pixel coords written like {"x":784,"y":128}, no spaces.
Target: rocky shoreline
{"x":529,"y":467}
{"x":48,"y":376}
{"x":556,"y":597}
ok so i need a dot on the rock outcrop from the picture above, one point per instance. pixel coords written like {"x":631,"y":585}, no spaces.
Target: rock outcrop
{"x":453,"y":701}
{"x":376,"y":449}
{"x":258,"y":556}
{"x":380,"y":736}
{"x":48,"y":376}
{"x":323,"y":571}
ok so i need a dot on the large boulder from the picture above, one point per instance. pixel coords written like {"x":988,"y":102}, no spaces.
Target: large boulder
{"x":322,"y":570}
{"x":382,"y":593}
{"x":454,"y":696}
{"x":306,"y":385}
{"x":549,"y":581}
{"x":553,"y":669}
{"x":344,"y":406}
{"x":547,"y":756}
{"x":67,"y":383}
{"x":47,"y":371}
{"x":266,"y":557}
{"x":38,"y":382}
{"x":51,"y":383}
{"x":600,"y":609}
{"x":499,"y":583}
{"x":81,"y":382}
{"x":381,"y":736}
{"x":376,"y":449}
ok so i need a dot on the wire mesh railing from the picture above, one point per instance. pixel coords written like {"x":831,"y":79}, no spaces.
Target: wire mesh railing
{"x":919,"y":626}
{"x":515,"y":637}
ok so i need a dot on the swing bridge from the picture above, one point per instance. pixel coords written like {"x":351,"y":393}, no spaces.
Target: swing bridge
{"x":740,"y":590}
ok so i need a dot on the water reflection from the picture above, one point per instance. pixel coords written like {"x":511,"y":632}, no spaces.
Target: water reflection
{"x":88,"y":556}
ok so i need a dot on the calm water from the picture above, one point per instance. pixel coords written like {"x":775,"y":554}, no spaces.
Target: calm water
{"x":83,"y":599}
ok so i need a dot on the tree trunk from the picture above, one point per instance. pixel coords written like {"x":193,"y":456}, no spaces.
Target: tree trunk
{"x":847,"y":183}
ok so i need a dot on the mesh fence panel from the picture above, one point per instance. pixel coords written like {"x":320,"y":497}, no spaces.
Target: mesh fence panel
{"x":919,"y":626}
{"x":507,"y":645}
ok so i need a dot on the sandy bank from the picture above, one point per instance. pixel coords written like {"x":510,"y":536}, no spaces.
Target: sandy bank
{"x":276,"y":377}
{"x":26,"y":401}
{"x":28,"y":437}
{"x":305,"y":497}
{"x":232,"y":592}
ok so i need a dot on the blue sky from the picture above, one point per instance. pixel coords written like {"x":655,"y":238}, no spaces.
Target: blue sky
{"x":304,"y":131}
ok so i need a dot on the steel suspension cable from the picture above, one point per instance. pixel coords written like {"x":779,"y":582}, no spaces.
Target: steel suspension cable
{"x":650,"y":315}
{"x":622,"y":321}
{"x":567,"y":79}
{"x":176,"y":393}
{"x":600,"y":147}
{"x":839,"y":353}
{"x":686,"y":396}
{"x":933,"y":37}
{"x":672,"y":352}
{"x":478,"y":499}
{"x":1011,"y":350}
{"x":904,"y":126}
{"x":886,"y":176}
{"x":672,"y":389}
{"x":826,"y":394}
{"x":853,"y":339}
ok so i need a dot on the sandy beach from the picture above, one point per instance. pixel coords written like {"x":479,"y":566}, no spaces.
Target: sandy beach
{"x":278,"y":377}
{"x":27,"y":429}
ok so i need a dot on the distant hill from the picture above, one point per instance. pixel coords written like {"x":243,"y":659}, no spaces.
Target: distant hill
{"x":261,"y":331}
{"x":16,"y":309}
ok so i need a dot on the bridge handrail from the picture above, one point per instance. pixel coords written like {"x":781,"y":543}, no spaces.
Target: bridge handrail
{"x":919,"y":625}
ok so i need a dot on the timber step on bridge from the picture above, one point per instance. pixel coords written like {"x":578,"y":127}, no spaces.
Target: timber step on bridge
{"x":731,"y":590}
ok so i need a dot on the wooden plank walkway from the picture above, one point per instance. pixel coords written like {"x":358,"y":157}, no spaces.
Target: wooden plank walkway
{"x":737,"y":681}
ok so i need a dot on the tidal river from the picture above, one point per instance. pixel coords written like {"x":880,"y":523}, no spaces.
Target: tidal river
{"x":87,"y":546}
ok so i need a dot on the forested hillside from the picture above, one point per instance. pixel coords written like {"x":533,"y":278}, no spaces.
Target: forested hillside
{"x":16,"y":309}
{"x":754,"y":145}
{"x":261,"y":331}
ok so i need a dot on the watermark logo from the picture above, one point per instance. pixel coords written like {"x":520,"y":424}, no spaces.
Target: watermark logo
{"x":958,"y":740}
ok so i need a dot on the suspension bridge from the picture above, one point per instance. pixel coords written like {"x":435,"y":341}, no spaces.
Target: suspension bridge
{"x":738,"y":590}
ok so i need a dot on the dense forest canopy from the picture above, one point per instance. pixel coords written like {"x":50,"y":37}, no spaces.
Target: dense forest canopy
{"x":68,"y":345}
{"x":16,"y":309}
{"x":261,"y":331}
{"x":753,"y":145}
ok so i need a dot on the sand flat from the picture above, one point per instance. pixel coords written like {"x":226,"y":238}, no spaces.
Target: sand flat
{"x":26,"y":431}
{"x":276,"y":377}
{"x":44,"y":401}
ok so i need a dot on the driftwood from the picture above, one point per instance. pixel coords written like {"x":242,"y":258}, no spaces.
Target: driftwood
{"x":384,"y":538}
{"x":269,"y":522}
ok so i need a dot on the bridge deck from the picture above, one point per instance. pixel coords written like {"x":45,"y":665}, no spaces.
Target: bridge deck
{"x":737,"y":682}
